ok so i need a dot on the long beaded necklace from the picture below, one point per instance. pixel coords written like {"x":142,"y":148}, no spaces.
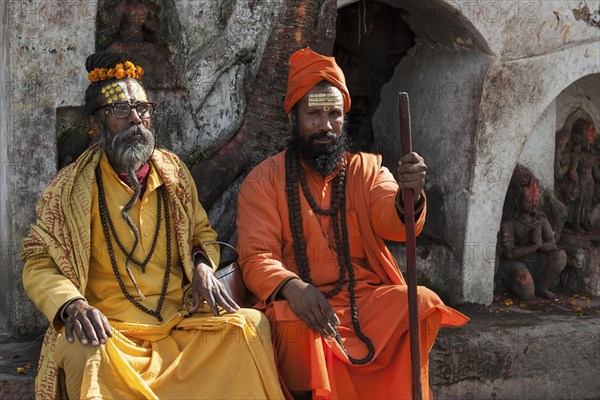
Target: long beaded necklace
{"x":295,"y":173}
{"x":108,"y":228}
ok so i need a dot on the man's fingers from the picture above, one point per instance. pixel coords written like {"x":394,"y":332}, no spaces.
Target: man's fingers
{"x":227,"y":302}
{"x":329,"y":313}
{"x":79,"y":331}
{"x":98,"y":324}
{"x":310,"y":320}
{"x":410,"y":178}
{"x":195,"y":301}
{"x":412,"y":168}
{"x":210,"y":300}
{"x":107,"y":327}
{"x":69,"y":331}
{"x":328,"y":318}
{"x":90,"y":331}
{"x":411,"y":158}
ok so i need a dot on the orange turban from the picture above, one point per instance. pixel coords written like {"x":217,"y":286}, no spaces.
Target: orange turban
{"x":308,"y":68}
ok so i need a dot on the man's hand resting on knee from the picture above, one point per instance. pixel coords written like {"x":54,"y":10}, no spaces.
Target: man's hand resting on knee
{"x":89,"y":324}
{"x":310,"y":306}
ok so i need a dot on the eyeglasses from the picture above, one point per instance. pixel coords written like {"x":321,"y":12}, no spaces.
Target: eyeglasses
{"x":122,"y":110}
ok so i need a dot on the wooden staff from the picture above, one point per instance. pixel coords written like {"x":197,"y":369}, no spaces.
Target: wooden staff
{"x":411,"y":247}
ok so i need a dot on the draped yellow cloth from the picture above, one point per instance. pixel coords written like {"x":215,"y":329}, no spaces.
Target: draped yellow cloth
{"x":65,"y":255}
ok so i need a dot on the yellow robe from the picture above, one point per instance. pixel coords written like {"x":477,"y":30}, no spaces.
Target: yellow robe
{"x":65,"y":256}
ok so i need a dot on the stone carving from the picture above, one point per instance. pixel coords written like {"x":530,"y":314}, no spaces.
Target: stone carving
{"x":133,"y":27}
{"x":577,"y":185}
{"x":577,"y":173}
{"x":530,"y":262}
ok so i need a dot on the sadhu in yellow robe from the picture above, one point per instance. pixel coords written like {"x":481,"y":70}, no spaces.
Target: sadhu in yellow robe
{"x":186,"y":356}
{"x":307,"y":361}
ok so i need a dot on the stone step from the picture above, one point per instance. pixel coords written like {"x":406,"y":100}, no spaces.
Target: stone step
{"x":500,"y":354}
{"x":18,"y":365}
{"x":516,"y":355}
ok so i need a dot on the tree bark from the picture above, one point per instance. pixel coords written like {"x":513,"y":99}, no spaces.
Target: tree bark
{"x":265,"y":128}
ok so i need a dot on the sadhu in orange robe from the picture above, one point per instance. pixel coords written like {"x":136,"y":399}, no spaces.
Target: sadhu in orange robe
{"x":306,"y":360}
{"x":187,"y":356}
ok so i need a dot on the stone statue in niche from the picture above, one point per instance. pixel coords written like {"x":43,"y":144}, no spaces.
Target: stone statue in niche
{"x":577,"y":171}
{"x":530,"y":263}
{"x":134,"y":27}
{"x":567,"y":185}
{"x":577,"y":184}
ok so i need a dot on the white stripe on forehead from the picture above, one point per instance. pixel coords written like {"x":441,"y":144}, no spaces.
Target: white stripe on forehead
{"x":325,"y":99}
{"x":123,"y":91}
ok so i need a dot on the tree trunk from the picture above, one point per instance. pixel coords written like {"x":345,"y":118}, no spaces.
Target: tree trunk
{"x":265,"y":128}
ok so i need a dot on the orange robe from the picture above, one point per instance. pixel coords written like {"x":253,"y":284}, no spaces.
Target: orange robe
{"x":306,"y":360}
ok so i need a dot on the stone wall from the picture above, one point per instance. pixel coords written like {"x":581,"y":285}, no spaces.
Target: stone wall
{"x":512,"y":59}
{"x":6,"y":250}
{"x":46,"y":43}
{"x":536,"y":154}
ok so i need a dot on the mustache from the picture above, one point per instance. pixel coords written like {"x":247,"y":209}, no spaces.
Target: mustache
{"x":322,"y":135}
{"x":126,"y":135}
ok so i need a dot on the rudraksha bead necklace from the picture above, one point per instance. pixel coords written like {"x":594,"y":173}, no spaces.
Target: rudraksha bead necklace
{"x":107,"y":221}
{"x":294,"y":177}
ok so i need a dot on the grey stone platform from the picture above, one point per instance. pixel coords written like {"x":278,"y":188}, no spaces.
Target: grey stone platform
{"x":18,"y":364}
{"x":511,"y":353}
{"x":505,"y":352}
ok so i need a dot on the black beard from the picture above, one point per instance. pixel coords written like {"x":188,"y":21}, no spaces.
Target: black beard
{"x":125,"y":152}
{"x":322,"y":158}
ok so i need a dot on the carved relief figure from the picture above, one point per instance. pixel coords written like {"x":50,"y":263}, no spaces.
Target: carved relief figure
{"x":577,"y":170}
{"x":567,"y":185}
{"x":531,"y":262}
{"x":134,"y":27}
{"x":588,"y":173}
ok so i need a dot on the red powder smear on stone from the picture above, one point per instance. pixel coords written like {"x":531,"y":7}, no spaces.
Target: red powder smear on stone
{"x":532,"y":192}
{"x":591,"y":134}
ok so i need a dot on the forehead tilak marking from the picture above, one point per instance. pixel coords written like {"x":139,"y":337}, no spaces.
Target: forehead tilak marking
{"x":135,"y":91}
{"x":325,"y":99}
{"x":123,"y":91}
{"x":113,"y":92}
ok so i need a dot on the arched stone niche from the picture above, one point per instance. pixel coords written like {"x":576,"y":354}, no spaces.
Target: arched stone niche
{"x":502,"y":134}
{"x":577,"y":183}
{"x":476,"y":97}
{"x":553,"y":154}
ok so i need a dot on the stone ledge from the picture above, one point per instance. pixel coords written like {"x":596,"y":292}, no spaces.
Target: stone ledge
{"x":532,"y":355}
{"x":497,"y":355}
{"x":18,"y":365}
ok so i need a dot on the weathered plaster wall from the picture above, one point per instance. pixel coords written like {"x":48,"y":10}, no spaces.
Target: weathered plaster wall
{"x":537,"y":155}
{"x":584,"y":94}
{"x":5,"y":234}
{"x":47,"y":44}
{"x":445,"y":90}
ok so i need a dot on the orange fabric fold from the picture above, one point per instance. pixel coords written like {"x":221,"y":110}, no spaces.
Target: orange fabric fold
{"x":308,"y":68}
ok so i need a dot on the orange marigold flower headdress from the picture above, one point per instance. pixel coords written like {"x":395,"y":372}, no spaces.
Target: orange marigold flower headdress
{"x":120,"y":71}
